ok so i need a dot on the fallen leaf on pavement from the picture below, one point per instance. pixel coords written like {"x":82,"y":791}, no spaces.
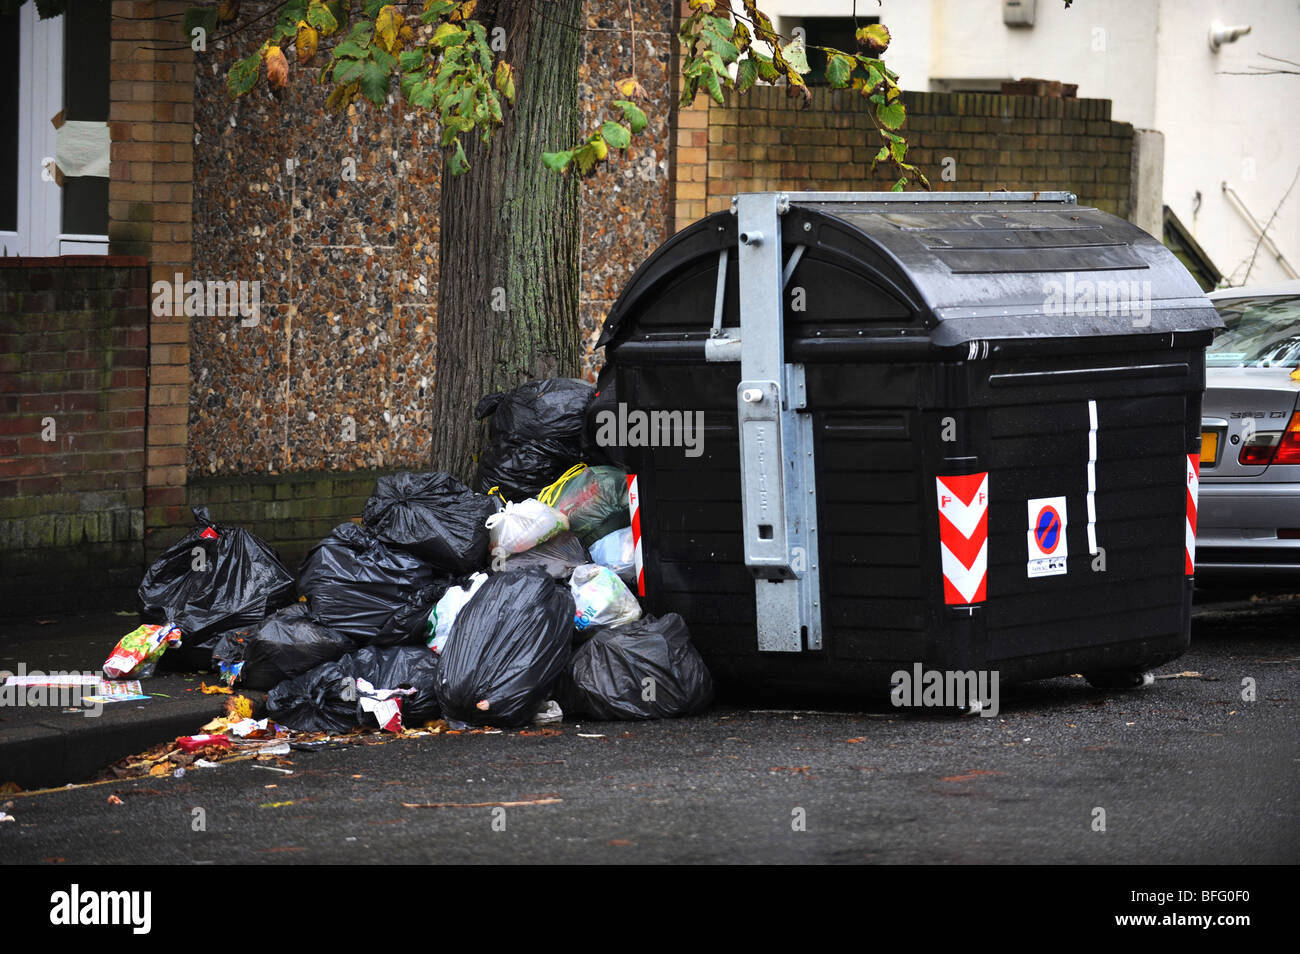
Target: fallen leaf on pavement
{"x":114,"y":800}
{"x":214,"y":690}
{"x":969,"y":776}
{"x":534,"y":801}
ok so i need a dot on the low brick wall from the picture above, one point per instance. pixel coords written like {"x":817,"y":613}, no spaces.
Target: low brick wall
{"x":292,"y":512}
{"x":74,"y":353}
{"x":757,"y":142}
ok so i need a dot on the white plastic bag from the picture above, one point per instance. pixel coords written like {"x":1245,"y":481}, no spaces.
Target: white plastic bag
{"x":444,"y":614}
{"x":521,"y":526}
{"x":600,"y":598}
{"x":617,"y":551}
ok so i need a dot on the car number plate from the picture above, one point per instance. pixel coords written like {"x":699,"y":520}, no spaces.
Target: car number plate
{"x":1209,"y":447}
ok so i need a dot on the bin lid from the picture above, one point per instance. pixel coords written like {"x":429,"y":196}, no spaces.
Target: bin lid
{"x":967,"y":266}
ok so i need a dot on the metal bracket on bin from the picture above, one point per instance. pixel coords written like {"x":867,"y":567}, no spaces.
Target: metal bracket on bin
{"x":777,"y":474}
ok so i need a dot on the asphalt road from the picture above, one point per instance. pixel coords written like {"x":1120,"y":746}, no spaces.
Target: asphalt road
{"x":1185,"y":771}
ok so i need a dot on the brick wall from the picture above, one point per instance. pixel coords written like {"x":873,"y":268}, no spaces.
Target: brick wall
{"x":74,"y":338}
{"x":292,"y":512}
{"x":150,"y":195}
{"x":758,"y":143}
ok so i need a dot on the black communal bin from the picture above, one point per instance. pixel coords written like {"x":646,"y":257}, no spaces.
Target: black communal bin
{"x":959,"y":430}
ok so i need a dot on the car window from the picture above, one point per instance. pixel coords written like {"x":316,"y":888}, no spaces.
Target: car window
{"x":1259,"y":333}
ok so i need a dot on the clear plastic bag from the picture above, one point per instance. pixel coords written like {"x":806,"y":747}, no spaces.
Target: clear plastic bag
{"x":444,"y":614}
{"x":600,"y":598}
{"x":521,"y":526}
{"x":617,"y":551}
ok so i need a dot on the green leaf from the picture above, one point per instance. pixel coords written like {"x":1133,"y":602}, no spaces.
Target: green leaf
{"x":411,"y":59}
{"x":243,"y":74}
{"x":898,"y":186}
{"x":383,"y":59}
{"x":433,"y":9}
{"x":767,"y":70}
{"x":713,"y":87}
{"x":448,"y":34}
{"x":458,"y":165}
{"x":372,"y":7}
{"x":797,"y":56}
{"x":350,"y":49}
{"x":347,"y":71}
{"x":421,"y":94}
{"x":882,"y":155}
{"x":361,"y":33}
{"x":616,"y":134}
{"x":722,"y":46}
{"x":320,"y":17}
{"x":746,"y":74}
{"x":632,"y":114}
{"x":898,"y":149}
{"x":557,"y":161}
{"x":839,"y":68}
{"x":374,"y":83}
{"x":891,"y":116}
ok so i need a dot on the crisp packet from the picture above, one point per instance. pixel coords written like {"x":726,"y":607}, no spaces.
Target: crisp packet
{"x":137,"y":653}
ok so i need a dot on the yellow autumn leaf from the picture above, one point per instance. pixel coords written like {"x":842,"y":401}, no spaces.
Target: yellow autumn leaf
{"x":238,"y":708}
{"x":306,"y":42}
{"x":387,"y":25}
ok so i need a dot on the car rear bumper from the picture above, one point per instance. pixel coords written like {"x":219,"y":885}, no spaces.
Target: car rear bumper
{"x":1237,"y":529}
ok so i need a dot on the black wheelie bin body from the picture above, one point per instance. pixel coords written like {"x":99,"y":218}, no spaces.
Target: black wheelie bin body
{"x":959,"y":430}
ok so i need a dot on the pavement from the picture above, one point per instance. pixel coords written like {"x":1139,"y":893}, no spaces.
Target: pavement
{"x":49,"y":745}
{"x":1183,"y":772}
{"x":54,"y":745}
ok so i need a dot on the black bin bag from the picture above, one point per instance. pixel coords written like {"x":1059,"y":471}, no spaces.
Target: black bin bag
{"x":508,"y":646}
{"x":214,"y":579}
{"x":607,"y":676}
{"x":433,"y":516}
{"x":326,"y":699}
{"x":359,"y":586}
{"x":535,"y":435}
{"x":286,"y":644}
{"x":559,"y":556}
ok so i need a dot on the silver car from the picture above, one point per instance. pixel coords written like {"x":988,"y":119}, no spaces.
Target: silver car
{"x":1249,"y":509}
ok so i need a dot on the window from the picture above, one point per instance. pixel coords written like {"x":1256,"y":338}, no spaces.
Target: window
{"x":52,"y":67}
{"x":835,"y":32}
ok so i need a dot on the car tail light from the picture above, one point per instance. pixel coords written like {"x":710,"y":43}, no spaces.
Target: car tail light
{"x":1288,"y":449}
{"x":1273,"y":447}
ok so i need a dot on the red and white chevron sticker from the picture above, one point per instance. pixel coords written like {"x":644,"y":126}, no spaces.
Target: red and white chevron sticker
{"x":634,"y":505}
{"x":1193,"y":490}
{"x":964,"y":537}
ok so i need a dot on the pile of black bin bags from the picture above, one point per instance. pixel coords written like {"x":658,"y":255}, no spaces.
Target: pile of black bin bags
{"x":483,"y":606}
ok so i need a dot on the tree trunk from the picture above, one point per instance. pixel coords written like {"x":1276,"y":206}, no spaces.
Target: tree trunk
{"x":508,"y":246}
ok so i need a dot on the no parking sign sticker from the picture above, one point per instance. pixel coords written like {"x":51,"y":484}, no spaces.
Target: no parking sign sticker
{"x":1048,"y":549}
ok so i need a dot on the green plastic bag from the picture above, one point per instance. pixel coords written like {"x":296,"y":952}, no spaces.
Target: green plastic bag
{"x":594,"y":500}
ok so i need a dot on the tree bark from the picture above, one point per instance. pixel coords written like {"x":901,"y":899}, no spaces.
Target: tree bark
{"x":508,"y":247}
